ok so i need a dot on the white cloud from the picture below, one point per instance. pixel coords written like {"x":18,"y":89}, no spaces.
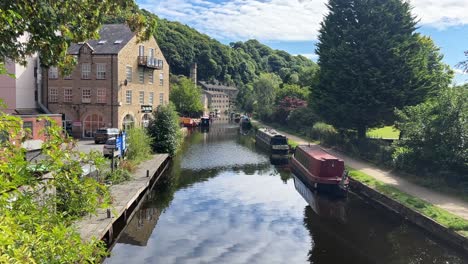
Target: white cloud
{"x":293,"y":20}
{"x":460,"y":71}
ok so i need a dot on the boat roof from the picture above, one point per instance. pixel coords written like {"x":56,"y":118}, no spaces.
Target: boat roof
{"x":271,"y":132}
{"x":318,"y":153}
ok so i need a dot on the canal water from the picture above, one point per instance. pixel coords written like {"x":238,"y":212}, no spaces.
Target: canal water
{"x":222,"y":201}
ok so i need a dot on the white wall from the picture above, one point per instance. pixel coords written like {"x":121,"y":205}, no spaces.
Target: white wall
{"x":26,"y":84}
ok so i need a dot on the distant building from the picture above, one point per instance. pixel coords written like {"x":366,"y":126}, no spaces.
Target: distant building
{"x":20,"y":94}
{"x":219,"y":97}
{"x":117,"y":82}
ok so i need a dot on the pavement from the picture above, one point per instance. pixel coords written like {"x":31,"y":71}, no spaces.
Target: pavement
{"x":449,"y":203}
{"x":87,"y":145}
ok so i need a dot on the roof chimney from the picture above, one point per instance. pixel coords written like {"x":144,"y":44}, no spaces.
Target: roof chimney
{"x":193,"y":73}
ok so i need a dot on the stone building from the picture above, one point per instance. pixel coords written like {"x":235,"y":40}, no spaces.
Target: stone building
{"x":219,"y":97}
{"x":117,"y":82}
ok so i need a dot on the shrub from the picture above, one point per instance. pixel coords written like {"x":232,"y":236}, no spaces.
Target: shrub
{"x":301,"y":118}
{"x":139,"y":144}
{"x":325,"y":133}
{"x":118,"y":176}
{"x":128,"y":165}
{"x":165,"y":130}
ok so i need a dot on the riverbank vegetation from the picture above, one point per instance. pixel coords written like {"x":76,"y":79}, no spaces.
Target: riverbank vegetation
{"x":186,"y":96}
{"x":36,"y":213}
{"x":165,"y":130}
{"x":439,"y":215}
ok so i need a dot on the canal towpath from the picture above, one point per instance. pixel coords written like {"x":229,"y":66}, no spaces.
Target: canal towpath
{"x":449,"y":203}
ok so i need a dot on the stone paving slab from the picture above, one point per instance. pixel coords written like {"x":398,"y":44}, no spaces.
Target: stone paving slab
{"x":123,"y":195}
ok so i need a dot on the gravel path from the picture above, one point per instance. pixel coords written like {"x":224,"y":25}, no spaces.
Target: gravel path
{"x":452,"y":204}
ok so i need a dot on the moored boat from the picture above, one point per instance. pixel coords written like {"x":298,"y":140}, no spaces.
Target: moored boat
{"x":205,"y":121}
{"x":273,"y":141}
{"x":188,"y":122}
{"x":245,"y":122}
{"x":320,"y":170}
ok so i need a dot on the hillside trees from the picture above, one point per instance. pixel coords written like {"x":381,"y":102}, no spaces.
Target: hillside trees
{"x":265,"y":89}
{"x":372,"y":61}
{"x":186,"y":96}
{"x":50,"y":27}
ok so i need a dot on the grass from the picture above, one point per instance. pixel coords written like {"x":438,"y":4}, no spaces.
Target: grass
{"x":439,"y":215}
{"x":292,"y":144}
{"x":388,"y":132}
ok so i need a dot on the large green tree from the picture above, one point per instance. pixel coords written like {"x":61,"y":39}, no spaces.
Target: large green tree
{"x":265,"y":89}
{"x":186,"y":96}
{"x":434,"y":134}
{"x":165,"y":130}
{"x":372,"y":61}
{"x":49,"y":27}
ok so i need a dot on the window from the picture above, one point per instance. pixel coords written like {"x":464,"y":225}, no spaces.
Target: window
{"x":86,"y":71}
{"x":101,"y":95}
{"x":101,"y":71}
{"x":28,"y":128}
{"x":151,"y":77}
{"x":129,"y":74}
{"x":53,"y":95}
{"x":161,"y":78}
{"x":151,"y":53}
{"x":161,"y":98}
{"x":53,"y":73}
{"x":86,"y":95}
{"x":141,"y":50}
{"x":142,"y":97}
{"x":67,"y":95}
{"x":128,"y":97}
{"x":151,"y":98}
{"x":141,"y":75}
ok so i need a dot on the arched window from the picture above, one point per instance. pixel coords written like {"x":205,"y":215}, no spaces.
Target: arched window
{"x":128,"y":122}
{"x":91,"y":124}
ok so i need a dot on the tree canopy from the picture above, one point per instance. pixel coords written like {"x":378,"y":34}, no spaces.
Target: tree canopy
{"x":372,"y":61}
{"x":186,"y":96}
{"x":164,"y":130}
{"x":49,"y":27}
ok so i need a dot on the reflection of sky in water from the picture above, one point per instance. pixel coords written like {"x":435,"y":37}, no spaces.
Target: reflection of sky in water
{"x":229,"y":219}
{"x":219,"y":154}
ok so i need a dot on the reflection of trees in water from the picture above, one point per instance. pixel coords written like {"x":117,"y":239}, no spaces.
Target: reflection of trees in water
{"x":370,"y":235}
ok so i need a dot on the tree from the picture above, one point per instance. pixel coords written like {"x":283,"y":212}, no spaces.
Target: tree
{"x":186,"y":96}
{"x":35,"y":223}
{"x":165,"y":130}
{"x":434,"y":134}
{"x":265,"y":89}
{"x":292,"y":90}
{"x":51,"y":26}
{"x":371,"y":62}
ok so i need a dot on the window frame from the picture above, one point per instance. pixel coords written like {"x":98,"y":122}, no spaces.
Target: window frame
{"x":129,"y":74}
{"x":67,"y":98}
{"x":151,"y":98}
{"x":53,"y":73}
{"x":141,"y":75}
{"x":141,"y":97}
{"x":86,"y":71}
{"x":101,"y":95}
{"x":53,"y":96}
{"x":128,"y":97}
{"x":101,"y":70}
{"x":151,"y":77}
{"x":161,"y":98}
{"x":161,"y":79}
{"x":86,"y":96}
{"x":31,"y":128}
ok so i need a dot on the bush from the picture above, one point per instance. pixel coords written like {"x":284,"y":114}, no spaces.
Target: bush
{"x":139,"y":144}
{"x":165,"y":130}
{"x":301,"y":118}
{"x":118,"y":176}
{"x":435,"y":135}
{"x":325,"y":133}
{"x":128,"y":165}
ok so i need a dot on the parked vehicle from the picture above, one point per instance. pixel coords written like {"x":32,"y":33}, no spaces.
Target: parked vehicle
{"x":319,"y":169}
{"x":110,"y":148}
{"x":103,"y":134}
{"x":245,"y":122}
{"x":273,"y":141}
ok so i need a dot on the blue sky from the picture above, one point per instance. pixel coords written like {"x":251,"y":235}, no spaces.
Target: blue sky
{"x":292,"y":25}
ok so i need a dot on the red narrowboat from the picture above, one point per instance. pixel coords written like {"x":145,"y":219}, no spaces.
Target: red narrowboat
{"x":319,"y":169}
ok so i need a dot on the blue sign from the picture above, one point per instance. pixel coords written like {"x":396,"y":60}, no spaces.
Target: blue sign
{"x":123,"y":143}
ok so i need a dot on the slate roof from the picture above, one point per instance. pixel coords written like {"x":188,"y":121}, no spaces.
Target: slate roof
{"x":217,"y":86}
{"x":110,"y":33}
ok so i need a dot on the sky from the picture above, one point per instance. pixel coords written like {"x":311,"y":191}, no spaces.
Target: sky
{"x":292,"y":25}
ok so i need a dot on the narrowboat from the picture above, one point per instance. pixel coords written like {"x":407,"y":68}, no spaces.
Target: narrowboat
{"x":205,"y":121}
{"x":188,"y":122}
{"x":319,"y":169}
{"x":237,"y":117}
{"x":273,"y":141}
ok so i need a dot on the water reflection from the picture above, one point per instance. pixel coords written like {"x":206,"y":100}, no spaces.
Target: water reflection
{"x":223,"y":202}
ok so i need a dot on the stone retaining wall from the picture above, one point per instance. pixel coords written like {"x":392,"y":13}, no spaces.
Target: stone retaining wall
{"x":449,"y":236}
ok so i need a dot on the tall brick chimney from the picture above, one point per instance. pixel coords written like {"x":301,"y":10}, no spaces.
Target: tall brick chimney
{"x":193,"y":73}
